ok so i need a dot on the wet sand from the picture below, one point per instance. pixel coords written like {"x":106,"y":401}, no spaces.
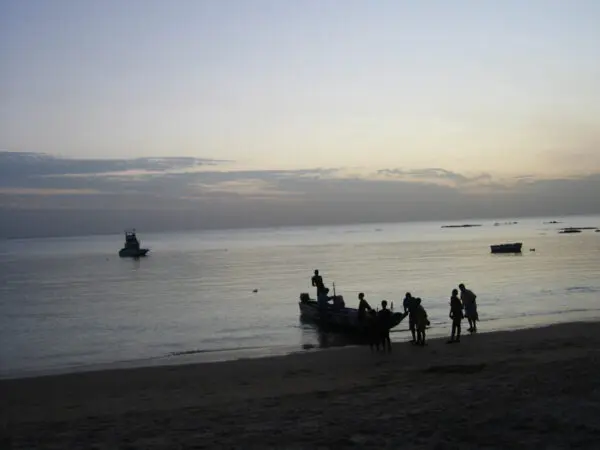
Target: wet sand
{"x":522,"y":389}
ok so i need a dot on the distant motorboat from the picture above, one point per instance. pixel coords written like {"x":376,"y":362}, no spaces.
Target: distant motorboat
{"x":515,"y":247}
{"x":132,"y":246}
{"x":466,"y":225}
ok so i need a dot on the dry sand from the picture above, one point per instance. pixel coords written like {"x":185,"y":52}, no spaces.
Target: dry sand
{"x":531,"y":388}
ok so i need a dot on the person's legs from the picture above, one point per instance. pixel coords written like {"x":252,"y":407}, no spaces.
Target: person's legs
{"x":376,"y":340}
{"x":411,"y":326}
{"x":453,"y":331}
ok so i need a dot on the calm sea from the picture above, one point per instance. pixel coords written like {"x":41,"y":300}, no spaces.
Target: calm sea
{"x":71,"y":303}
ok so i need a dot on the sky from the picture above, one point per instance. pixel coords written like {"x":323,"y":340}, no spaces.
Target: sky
{"x":480,"y":97}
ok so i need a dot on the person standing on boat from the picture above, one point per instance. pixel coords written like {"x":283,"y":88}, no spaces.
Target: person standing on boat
{"x":409,"y":305}
{"x":469,"y":302}
{"x":317,"y":281}
{"x":456,"y":314}
{"x":363,"y":307}
{"x":323,"y":298}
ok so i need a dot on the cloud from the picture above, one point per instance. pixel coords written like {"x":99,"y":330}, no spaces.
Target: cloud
{"x":35,"y":191}
{"x":16,"y":165}
{"x":434,"y":174}
{"x":249,"y":188}
{"x":41,"y":195}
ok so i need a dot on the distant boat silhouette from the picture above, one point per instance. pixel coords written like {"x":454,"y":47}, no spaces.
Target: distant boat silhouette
{"x":132,"y":246}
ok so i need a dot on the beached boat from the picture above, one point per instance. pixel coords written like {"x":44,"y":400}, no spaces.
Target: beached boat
{"x":515,"y":247}
{"x":132,"y":246}
{"x":344,"y":319}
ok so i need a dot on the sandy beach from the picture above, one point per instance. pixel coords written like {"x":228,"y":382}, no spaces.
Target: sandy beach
{"x":521,"y":389}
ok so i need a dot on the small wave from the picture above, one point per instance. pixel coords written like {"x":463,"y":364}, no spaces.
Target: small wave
{"x":216,"y":350}
{"x":539,"y":314}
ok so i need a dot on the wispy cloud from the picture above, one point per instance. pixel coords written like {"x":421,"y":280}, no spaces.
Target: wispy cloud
{"x":435,"y":175}
{"x":25,"y":164}
{"x":251,"y":188}
{"x":46,"y":192}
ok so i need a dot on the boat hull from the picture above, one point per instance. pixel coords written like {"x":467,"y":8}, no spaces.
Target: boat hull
{"x":344,"y":319}
{"x":133,"y":253}
{"x":507,"y":248}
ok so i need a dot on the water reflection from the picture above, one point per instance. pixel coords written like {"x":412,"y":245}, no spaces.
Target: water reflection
{"x":321,"y":336}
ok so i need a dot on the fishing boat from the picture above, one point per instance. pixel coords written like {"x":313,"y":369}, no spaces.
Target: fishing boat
{"x":132,"y":246}
{"x":514,"y":247}
{"x":341,"y":318}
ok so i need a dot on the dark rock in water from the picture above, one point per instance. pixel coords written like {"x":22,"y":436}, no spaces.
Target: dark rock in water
{"x":570,"y":230}
{"x":255,"y":291}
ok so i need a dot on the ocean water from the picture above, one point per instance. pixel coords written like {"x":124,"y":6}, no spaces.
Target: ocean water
{"x":71,"y":303}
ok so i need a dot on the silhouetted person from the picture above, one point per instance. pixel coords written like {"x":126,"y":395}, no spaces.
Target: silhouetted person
{"x":384,"y":319}
{"x":421,"y":321}
{"x":373,"y":333}
{"x":409,"y":307}
{"x":456,"y":314}
{"x":469,"y":302}
{"x":317,"y":281}
{"x":363,"y":307}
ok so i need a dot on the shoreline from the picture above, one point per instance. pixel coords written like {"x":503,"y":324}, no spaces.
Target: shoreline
{"x":439,"y":333}
{"x":140,"y":366}
{"x":503,"y":389}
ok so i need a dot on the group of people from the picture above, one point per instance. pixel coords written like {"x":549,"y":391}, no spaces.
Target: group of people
{"x":460,"y":308}
{"x":378,"y":322}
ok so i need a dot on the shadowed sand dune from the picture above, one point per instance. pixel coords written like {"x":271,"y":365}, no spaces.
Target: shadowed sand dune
{"x":521,"y":389}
